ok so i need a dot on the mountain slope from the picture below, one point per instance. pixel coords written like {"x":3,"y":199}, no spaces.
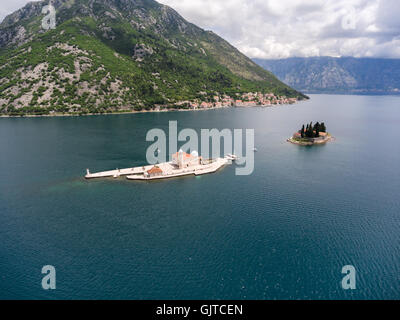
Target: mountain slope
{"x":338,"y":75}
{"x":115,"y":55}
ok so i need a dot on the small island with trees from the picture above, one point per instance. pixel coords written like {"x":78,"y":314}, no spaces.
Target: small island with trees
{"x":311,"y":134}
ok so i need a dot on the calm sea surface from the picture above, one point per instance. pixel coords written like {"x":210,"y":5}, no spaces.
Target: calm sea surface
{"x":284,"y":232}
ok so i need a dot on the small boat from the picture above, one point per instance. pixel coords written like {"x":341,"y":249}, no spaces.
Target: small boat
{"x":231,"y":157}
{"x":255,"y":150}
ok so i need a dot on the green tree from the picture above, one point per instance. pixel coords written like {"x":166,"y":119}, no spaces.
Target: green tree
{"x":309,"y":131}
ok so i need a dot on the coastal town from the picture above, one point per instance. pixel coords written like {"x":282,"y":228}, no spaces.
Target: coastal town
{"x":205,"y":102}
{"x":251,"y":99}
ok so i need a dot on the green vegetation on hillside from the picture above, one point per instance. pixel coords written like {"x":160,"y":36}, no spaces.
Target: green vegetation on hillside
{"x":123,"y":56}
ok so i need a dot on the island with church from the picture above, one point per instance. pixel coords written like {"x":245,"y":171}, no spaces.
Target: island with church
{"x":182,"y":164}
{"x":312,"y":134}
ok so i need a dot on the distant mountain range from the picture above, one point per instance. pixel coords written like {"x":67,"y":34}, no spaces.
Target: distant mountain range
{"x":118,"y":55}
{"x":337,"y":75}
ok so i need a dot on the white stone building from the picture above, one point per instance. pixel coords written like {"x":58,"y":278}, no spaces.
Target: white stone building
{"x":184,"y":160}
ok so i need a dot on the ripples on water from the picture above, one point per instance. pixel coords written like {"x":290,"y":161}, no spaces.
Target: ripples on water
{"x":283,"y":233}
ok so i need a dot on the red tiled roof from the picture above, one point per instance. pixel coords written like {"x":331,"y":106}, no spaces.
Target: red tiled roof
{"x":154,"y":170}
{"x":187,"y":155}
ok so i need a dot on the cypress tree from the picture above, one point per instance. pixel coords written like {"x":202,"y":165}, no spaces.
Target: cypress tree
{"x":310,"y":130}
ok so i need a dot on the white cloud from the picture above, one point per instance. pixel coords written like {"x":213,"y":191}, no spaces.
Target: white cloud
{"x":286,"y":28}
{"x":9,"y":6}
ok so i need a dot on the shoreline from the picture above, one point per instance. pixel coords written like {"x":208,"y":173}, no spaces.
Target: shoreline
{"x":56,"y":115}
{"x":59,"y":115}
{"x":310,"y":143}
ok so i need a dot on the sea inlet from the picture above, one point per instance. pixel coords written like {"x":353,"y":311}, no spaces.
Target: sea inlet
{"x":284,"y":232}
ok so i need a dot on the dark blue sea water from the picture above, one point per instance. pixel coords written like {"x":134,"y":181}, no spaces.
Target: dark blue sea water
{"x":284,"y":232}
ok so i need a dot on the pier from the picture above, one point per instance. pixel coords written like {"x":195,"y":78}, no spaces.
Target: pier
{"x":117,"y":173}
{"x":183,"y":165}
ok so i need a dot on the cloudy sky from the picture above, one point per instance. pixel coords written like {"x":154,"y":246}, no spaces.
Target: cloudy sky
{"x":287,"y":28}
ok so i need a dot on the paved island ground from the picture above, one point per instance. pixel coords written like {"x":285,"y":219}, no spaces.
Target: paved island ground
{"x":183,"y":164}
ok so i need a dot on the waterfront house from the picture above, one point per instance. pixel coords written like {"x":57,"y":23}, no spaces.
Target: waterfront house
{"x":155,"y":172}
{"x":297,"y":135}
{"x":184,"y":160}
